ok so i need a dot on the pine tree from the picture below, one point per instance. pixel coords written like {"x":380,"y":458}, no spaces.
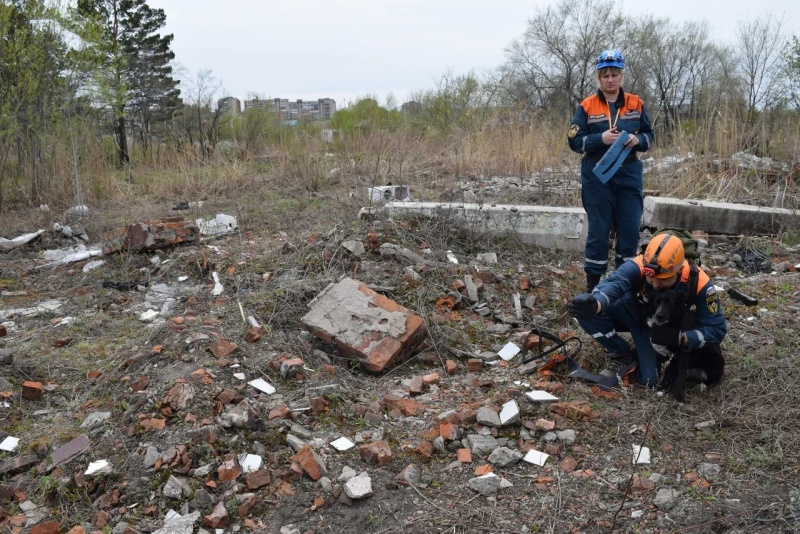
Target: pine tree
{"x":134,"y":76}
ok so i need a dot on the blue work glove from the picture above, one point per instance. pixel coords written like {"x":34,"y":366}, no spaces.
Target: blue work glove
{"x":666,"y":335}
{"x":584,"y":306}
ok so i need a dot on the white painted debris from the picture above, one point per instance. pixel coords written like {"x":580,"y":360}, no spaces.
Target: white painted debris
{"x":510,"y":413}
{"x":92,"y":265}
{"x":509,"y":351}
{"x":240,"y":376}
{"x":536,"y":457}
{"x":9,"y":444}
{"x":342,"y":444}
{"x":641,"y":455}
{"x":70,"y":255}
{"x":78,"y":210}
{"x":250,"y":462}
{"x":253,"y":322}
{"x":50,"y":306}
{"x":100,"y":467}
{"x":517,"y":306}
{"x":540,"y":396}
{"x":451,"y":257}
{"x":221,"y":224}
{"x":218,"y":289}
{"x":174,"y":523}
{"x":8,"y":244}
{"x":148,"y":316}
{"x":359,"y":487}
{"x":636,"y":514}
{"x":388,"y":193}
{"x":262,"y":385}
{"x":65,"y":321}
{"x":183,"y":278}
{"x":705,"y":424}
{"x":487,"y":258}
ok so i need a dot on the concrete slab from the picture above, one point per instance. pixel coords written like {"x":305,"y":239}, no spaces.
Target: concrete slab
{"x":364,"y":324}
{"x":717,"y":217}
{"x":549,"y":227}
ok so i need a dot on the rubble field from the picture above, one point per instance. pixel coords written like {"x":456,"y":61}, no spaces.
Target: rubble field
{"x":382,"y":376}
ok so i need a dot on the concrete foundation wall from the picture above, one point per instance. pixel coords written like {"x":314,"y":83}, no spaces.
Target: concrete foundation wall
{"x":549,"y":227}
{"x":717,"y":217}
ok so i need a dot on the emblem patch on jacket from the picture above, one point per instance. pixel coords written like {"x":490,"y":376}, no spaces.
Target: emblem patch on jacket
{"x":573,"y":131}
{"x":712,"y":300}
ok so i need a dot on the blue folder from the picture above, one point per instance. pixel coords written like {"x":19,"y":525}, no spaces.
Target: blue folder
{"x":613,"y":158}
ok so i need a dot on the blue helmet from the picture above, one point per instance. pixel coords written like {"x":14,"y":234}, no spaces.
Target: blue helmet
{"x":610,"y":58}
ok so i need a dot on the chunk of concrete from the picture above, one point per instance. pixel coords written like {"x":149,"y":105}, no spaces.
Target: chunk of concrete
{"x":364,"y":324}
{"x":717,"y":217}
{"x":359,"y":487}
{"x":488,"y":484}
{"x":549,"y":227}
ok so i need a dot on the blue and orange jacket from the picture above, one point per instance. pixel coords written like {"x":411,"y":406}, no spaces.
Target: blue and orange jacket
{"x":710,"y":326}
{"x":592,"y":119}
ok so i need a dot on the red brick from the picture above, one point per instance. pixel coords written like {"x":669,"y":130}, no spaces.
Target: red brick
{"x":141,"y":383}
{"x":244,"y":509}
{"x":48,"y":527}
{"x":425,"y":449}
{"x":280,"y":412}
{"x":253,"y":335}
{"x":416,"y":385}
{"x":377,"y":452}
{"x":474,"y":365}
{"x":222,"y":348}
{"x":430,"y":379}
{"x":219,"y":518}
{"x":310,"y":463}
{"x":32,"y":391}
{"x":228,"y":471}
{"x":257,"y":479}
{"x":448,"y":431}
{"x":451,"y":367}
{"x":465,"y":456}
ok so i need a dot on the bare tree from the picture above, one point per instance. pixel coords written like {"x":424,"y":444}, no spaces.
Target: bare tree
{"x":760,"y":46}
{"x":553,"y":64}
{"x":201,"y":92}
{"x":669,"y":63}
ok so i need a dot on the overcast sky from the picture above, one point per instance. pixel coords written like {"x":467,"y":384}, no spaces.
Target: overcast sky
{"x":348,"y":49}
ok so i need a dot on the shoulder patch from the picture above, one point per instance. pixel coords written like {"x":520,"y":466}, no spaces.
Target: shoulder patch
{"x":573,"y":131}
{"x":712,"y":302}
{"x":710,"y":291}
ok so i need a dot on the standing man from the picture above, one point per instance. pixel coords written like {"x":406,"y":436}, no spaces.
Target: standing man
{"x":597,"y":124}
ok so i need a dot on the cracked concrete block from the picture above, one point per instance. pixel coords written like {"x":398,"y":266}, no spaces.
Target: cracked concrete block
{"x":364,"y":324}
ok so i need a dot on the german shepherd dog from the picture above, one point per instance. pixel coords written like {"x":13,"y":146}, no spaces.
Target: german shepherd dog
{"x":705,"y":365}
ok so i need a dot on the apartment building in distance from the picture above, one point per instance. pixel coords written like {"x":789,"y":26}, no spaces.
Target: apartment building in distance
{"x":230,"y":105}
{"x":291,"y":111}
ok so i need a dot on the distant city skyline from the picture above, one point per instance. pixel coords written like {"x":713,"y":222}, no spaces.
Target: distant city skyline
{"x":350,"y":49}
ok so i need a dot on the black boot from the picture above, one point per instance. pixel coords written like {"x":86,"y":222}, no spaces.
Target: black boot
{"x":591,"y":281}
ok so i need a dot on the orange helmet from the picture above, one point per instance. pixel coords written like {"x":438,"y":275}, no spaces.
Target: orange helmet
{"x":663,"y":257}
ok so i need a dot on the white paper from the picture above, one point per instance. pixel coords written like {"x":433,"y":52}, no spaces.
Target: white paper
{"x":538,"y":395}
{"x":98,"y":468}
{"x":240,"y":376}
{"x":509,"y":411}
{"x":9,"y":444}
{"x":509,"y":351}
{"x":536,"y":457}
{"x":218,"y":289}
{"x":342,"y":444}
{"x":641,"y":455}
{"x":262,"y":385}
{"x":250,"y":462}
